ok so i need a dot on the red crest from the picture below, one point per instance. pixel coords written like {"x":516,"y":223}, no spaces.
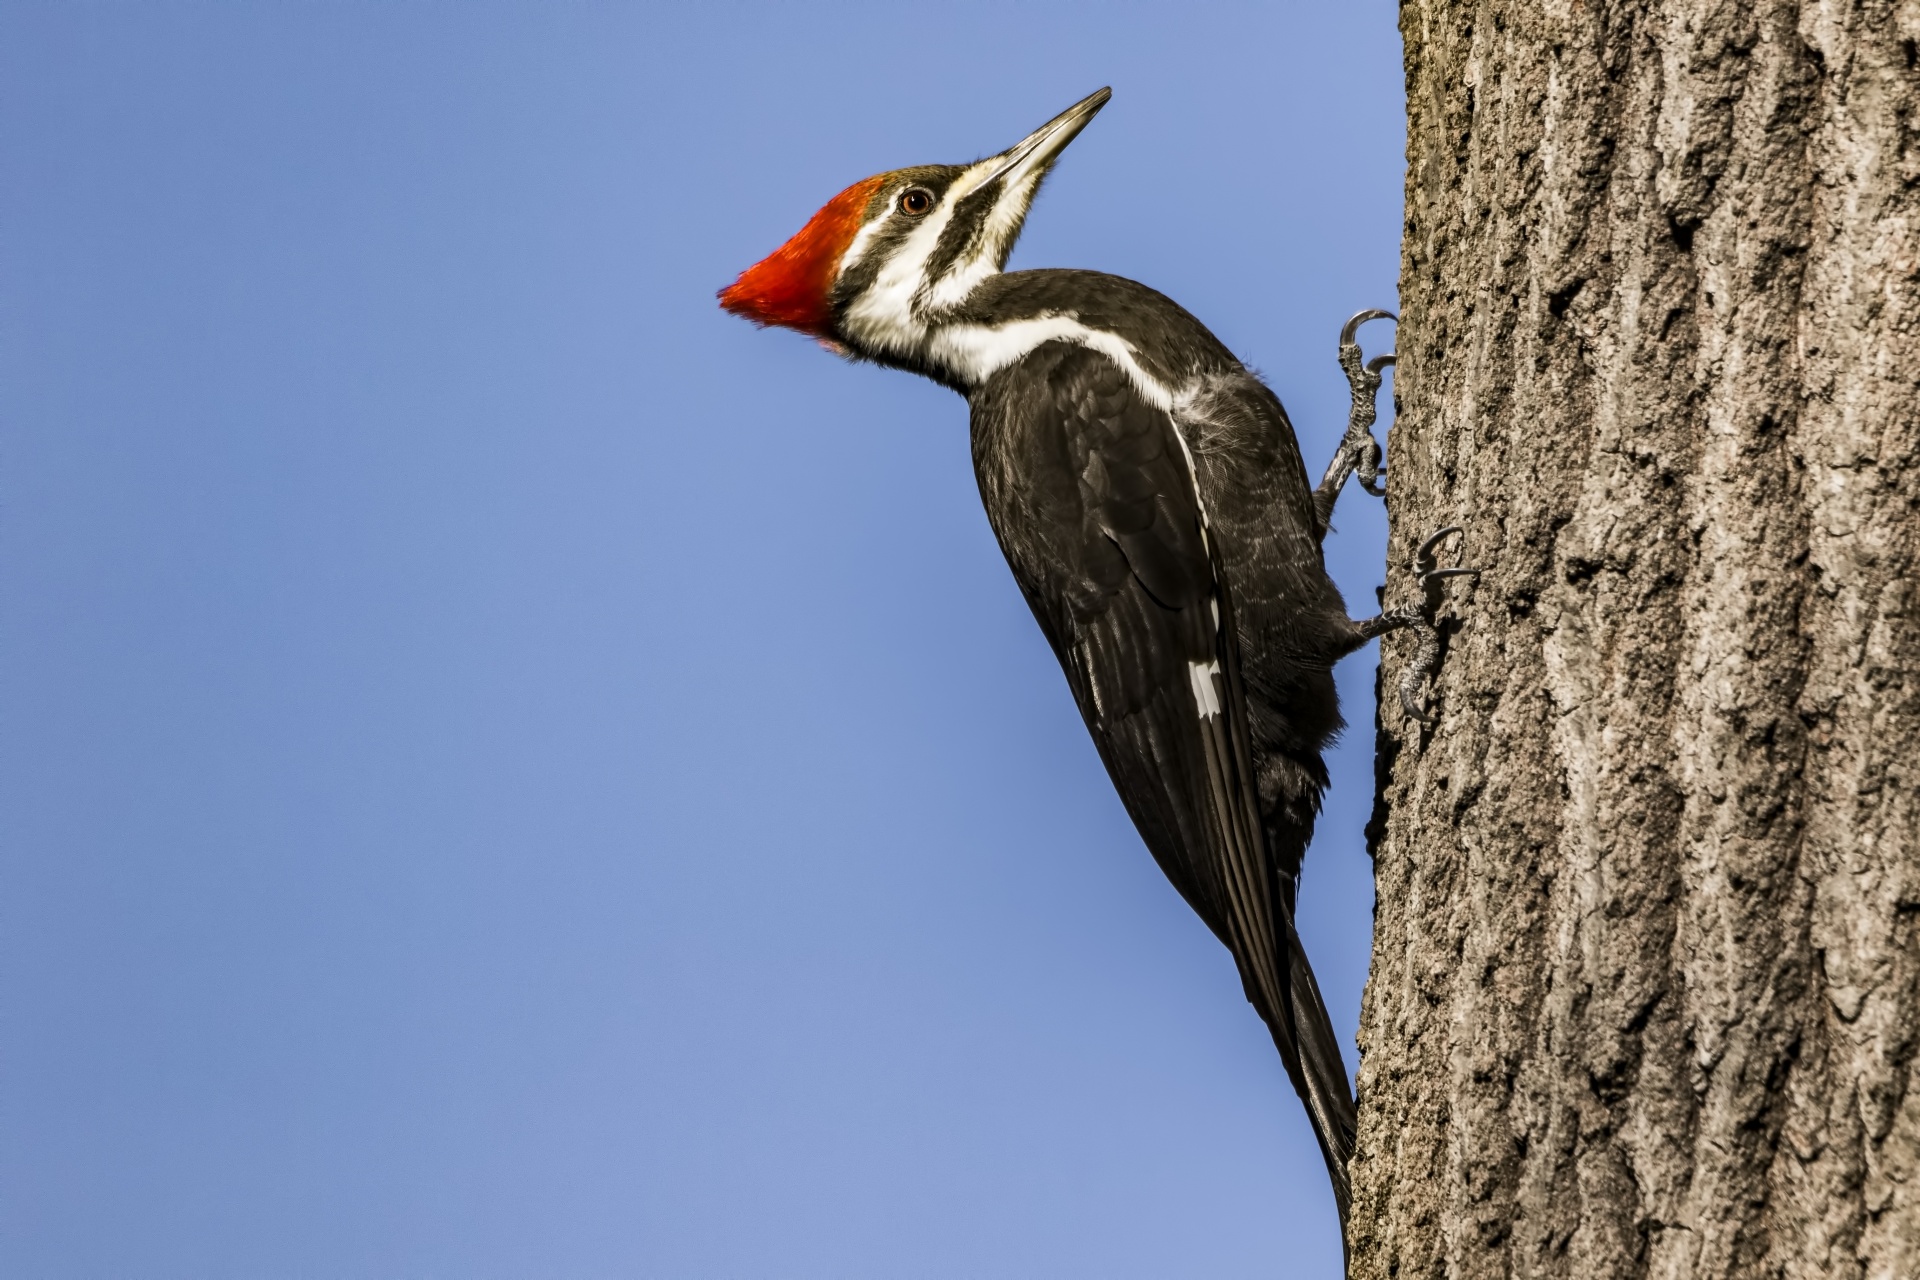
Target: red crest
{"x":789,"y":286}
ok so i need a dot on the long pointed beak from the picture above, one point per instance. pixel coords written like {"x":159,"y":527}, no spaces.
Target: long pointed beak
{"x":1037,"y":150}
{"x":987,"y":212}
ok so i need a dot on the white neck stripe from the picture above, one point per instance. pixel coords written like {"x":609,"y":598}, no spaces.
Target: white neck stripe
{"x":972,"y":353}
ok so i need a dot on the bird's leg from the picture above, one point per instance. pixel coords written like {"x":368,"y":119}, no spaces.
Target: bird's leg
{"x":1359,"y":452}
{"x":1429,"y":574}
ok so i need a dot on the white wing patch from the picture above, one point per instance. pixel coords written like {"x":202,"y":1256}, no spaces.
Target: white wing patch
{"x":1206,"y":697}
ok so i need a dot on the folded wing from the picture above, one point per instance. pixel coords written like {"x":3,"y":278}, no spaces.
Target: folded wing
{"x":1091,"y":493}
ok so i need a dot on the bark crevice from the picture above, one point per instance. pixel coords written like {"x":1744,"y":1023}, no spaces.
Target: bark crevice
{"x":1646,"y":987}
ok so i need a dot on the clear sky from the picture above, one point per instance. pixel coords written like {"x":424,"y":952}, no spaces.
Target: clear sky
{"x":507,"y":771}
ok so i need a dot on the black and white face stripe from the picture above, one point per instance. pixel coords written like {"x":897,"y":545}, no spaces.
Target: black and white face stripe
{"x":965,"y":243}
{"x":901,"y":269}
{"x":904,"y":270}
{"x":887,"y":228}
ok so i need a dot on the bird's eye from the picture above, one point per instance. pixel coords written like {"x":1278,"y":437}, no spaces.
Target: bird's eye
{"x":915,"y":201}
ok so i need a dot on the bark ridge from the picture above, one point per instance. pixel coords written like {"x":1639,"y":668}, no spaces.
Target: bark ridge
{"x":1645,"y":994}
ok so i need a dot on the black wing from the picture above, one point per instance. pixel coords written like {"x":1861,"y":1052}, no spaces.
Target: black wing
{"x":1092,"y":495}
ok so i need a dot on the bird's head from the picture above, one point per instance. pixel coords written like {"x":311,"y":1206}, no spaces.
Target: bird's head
{"x":876,"y":268}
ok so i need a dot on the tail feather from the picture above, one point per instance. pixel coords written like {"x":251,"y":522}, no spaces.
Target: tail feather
{"x":1311,"y":1051}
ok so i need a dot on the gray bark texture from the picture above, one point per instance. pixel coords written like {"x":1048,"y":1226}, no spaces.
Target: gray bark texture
{"x":1645,"y":995}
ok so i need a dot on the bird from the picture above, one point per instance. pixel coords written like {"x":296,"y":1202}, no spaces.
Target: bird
{"x":1150,"y":497}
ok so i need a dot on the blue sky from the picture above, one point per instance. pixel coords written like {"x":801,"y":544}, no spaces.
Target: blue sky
{"x":507,"y":771}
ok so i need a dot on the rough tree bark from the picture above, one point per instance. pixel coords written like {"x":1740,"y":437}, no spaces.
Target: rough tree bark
{"x":1646,"y":978}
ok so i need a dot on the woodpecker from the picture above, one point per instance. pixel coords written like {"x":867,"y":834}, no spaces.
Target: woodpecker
{"x":1151,"y":500}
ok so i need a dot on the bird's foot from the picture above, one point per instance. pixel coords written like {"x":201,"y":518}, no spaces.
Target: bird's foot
{"x":1359,"y":453}
{"x":1363,"y":382}
{"x":1423,"y":617}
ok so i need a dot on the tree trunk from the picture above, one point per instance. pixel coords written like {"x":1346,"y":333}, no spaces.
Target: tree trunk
{"x":1645,"y":994}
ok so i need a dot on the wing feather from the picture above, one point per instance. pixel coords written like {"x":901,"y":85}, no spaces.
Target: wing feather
{"x":1095,"y":503}
{"x":1124,"y":582}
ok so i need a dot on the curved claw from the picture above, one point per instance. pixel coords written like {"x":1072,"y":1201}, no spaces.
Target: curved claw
{"x":1358,"y":456}
{"x":1423,"y":561}
{"x":1416,"y":672}
{"x":1352,"y":327}
{"x":1428,"y":574}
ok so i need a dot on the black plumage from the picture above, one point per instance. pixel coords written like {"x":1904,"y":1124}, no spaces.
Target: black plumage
{"x":1151,"y":500}
{"x":1094,"y":501}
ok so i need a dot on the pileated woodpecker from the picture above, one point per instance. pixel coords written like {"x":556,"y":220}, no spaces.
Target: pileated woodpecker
{"x":1151,"y":500}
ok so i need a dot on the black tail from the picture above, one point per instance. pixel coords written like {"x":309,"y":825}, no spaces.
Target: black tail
{"x":1311,"y":1052}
